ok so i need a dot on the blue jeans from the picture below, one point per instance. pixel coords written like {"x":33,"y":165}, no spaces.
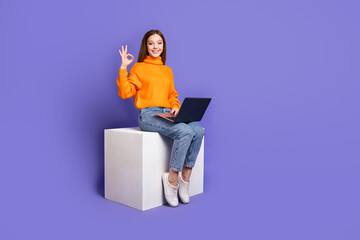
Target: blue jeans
{"x":187,"y":136}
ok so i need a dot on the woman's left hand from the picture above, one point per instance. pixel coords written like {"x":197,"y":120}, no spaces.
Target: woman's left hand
{"x":174,"y":111}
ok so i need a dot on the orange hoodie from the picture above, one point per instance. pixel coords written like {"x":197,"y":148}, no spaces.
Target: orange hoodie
{"x":150,"y":82}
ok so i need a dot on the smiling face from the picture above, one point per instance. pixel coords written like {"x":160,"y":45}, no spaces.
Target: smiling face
{"x":155,"y":45}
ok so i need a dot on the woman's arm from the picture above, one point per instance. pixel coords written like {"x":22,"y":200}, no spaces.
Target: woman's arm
{"x":127,"y":86}
{"x":174,"y":102}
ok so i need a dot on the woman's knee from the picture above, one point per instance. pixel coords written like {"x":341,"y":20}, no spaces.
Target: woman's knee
{"x":198,"y":129}
{"x":185,"y":130}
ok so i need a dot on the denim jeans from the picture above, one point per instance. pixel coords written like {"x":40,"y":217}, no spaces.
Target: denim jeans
{"x":187,"y":136}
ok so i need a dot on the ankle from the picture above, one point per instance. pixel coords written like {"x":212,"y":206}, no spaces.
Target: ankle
{"x":173,"y":178}
{"x":173,"y":182}
{"x":185,"y":173}
{"x":185,"y":178}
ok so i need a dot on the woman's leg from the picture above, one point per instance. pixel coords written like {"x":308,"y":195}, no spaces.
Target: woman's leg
{"x":182,"y":134}
{"x":193,"y":150}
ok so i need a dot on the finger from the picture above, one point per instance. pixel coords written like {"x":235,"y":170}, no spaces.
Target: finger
{"x":122,"y":48}
{"x":132,"y":57}
{"x":120,"y":53}
{"x":126,"y":49}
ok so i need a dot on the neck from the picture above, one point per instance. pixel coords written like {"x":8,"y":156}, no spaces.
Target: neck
{"x":153,"y":60}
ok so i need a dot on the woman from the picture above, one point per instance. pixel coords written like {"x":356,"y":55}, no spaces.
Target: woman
{"x":151,"y":83}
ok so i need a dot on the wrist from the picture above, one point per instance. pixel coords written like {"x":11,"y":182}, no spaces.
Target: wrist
{"x":123,"y":67}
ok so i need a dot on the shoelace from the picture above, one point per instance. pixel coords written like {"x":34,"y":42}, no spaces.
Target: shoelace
{"x":172,"y":193}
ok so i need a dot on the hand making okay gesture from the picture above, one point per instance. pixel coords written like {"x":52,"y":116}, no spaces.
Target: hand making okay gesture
{"x":124,"y":57}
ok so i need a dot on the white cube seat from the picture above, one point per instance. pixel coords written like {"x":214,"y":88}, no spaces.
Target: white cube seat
{"x":134,"y":163}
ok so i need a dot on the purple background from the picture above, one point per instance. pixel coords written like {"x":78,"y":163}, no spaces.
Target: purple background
{"x":283,"y":163}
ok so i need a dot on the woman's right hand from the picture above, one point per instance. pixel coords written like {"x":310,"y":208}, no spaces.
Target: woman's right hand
{"x":124,"y":57}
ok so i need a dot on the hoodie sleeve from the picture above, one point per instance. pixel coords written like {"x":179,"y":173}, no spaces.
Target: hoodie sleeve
{"x":127,"y":86}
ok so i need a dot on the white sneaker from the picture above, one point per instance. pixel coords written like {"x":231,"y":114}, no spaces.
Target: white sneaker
{"x":184,"y":190}
{"x":170,"y":191}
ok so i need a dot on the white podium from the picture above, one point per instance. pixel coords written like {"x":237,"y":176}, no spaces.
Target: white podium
{"x":134,"y":163}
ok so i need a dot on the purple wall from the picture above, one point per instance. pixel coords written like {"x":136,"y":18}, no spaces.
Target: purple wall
{"x":282,"y":132}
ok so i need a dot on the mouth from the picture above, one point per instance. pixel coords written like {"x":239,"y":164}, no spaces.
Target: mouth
{"x":155,"y":52}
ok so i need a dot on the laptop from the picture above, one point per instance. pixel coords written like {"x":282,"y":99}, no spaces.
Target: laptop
{"x":192,"y":110}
